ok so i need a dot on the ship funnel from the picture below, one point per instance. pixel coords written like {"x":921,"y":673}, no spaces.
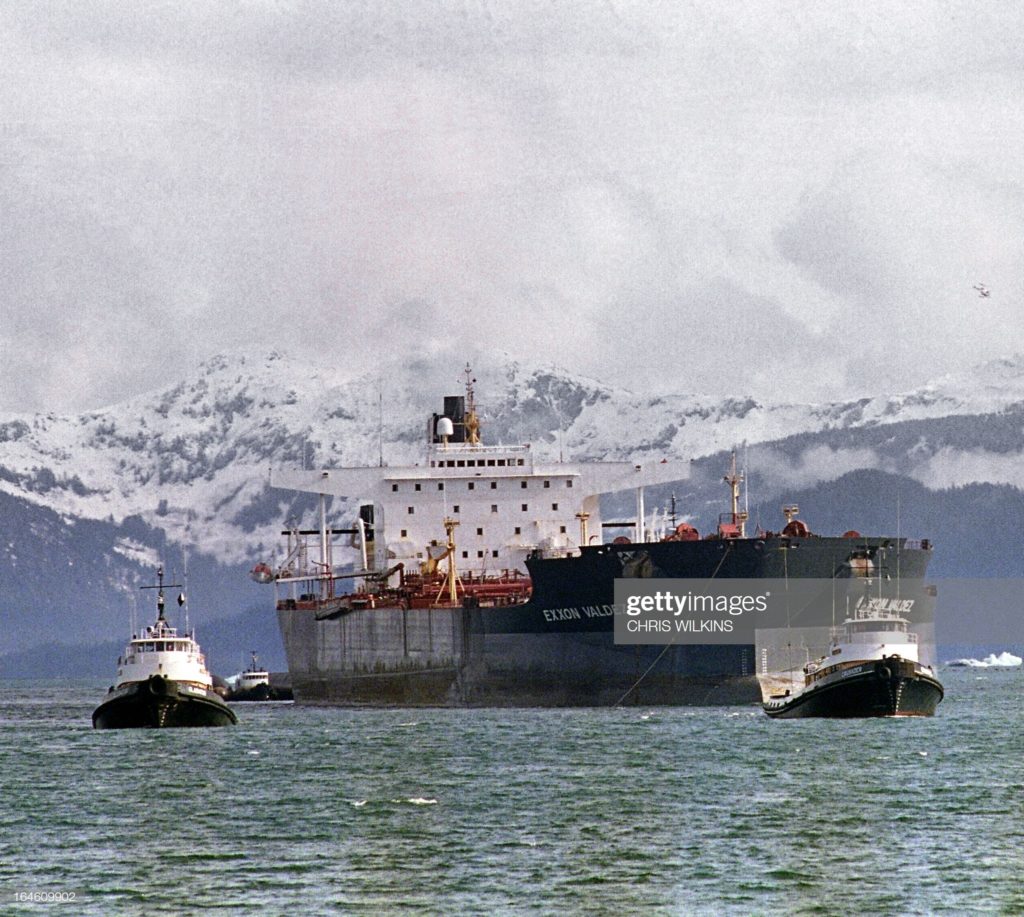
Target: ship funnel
{"x":454,"y":417}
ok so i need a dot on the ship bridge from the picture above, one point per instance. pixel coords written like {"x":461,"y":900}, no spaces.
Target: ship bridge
{"x":506,"y":503}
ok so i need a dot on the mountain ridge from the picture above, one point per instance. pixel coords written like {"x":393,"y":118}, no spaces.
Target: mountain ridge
{"x":186,"y":466}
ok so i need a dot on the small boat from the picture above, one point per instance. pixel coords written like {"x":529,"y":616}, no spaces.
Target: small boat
{"x":162,"y":681}
{"x":872,"y":669}
{"x":253,"y":684}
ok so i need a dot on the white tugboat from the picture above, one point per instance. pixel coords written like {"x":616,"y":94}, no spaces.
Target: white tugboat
{"x":162,"y":681}
{"x":253,"y":684}
{"x":872,"y":670}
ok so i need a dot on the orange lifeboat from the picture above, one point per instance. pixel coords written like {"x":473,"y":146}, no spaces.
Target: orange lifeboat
{"x":262,"y":573}
{"x":683,"y":532}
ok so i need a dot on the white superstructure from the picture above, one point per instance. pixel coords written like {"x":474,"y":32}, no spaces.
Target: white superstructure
{"x":505,"y":503}
{"x":869,"y":635}
{"x":250,"y":678}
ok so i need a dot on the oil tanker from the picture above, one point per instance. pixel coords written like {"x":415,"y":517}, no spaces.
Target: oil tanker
{"x":484,"y":579}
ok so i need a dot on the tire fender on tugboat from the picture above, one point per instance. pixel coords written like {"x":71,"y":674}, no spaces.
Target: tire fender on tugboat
{"x":883,"y":671}
{"x":158,"y":685}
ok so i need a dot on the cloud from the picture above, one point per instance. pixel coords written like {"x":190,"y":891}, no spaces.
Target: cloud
{"x":955,"y":467}
{"x":811,"y":467}
{"x":703,"y":198}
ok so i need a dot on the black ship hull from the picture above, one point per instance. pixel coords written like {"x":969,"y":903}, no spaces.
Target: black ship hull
{"x":160,"y":703}
{"x":260,"y":694}
{"x":890,"y":687}
{"x":558,"y":648}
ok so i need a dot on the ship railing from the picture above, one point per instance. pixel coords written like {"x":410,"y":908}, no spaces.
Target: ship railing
{"x":882,"y":614}
{"x":891,"y":636}
{"x":477,"y":449}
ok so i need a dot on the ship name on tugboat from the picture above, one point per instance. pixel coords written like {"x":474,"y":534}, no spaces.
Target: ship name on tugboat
{"x":885,"y":606}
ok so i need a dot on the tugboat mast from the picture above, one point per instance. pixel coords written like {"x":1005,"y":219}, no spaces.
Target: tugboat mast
{"x":160,"y":594}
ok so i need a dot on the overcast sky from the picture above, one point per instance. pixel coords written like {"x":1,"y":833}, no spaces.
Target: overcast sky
{"x":791,"y":200}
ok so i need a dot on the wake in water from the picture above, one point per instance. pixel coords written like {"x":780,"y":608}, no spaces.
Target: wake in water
{"x":1004,"y":660}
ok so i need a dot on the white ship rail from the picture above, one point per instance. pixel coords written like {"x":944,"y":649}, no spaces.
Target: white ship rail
{"x":842,"y":635}
{"x":873,"y":614}
{"x":475,"y":448}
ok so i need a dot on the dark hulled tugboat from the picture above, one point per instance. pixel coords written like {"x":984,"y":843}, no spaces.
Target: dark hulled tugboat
{"x":162,"y":681}
{"x":871,"y":670}
{"x":253,"y":684}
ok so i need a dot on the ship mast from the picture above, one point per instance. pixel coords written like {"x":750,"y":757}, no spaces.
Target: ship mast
{"x":160,"y":593}
{"x":734,"y":479}
{"x":451,"y":580}
{"x":472,"y":421}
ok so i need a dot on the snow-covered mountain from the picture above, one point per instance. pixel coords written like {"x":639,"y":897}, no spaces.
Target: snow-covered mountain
{"x":90,"y":501}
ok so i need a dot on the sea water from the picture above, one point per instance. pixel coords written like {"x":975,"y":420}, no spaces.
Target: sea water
{"x":714,"y":810}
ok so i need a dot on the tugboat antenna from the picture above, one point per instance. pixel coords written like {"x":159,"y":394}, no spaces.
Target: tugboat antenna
{"x":183,"y":598}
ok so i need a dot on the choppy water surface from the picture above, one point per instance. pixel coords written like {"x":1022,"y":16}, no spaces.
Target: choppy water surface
{"x":710,"y":810}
